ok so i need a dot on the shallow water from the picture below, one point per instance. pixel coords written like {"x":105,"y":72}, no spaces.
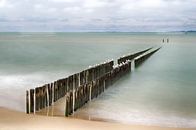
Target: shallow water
{"x":162,"y":91}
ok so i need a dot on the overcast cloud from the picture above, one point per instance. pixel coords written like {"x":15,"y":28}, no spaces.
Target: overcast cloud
{"x":97,"y":15}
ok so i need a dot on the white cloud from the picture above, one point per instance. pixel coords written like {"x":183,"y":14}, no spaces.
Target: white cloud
{"x":5,"y":4}
{"x":63,"y":0}
{"x":2,"y":3}
{"x":73,"y":15}
{"x":151,"y":3}
{"x":94,"y":3}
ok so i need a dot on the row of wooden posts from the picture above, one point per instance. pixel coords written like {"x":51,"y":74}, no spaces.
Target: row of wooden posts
{"x":86,"y":92}
{"x":82,"y":87}
{"x":47,"y":94}
{"x":140,"y":59}
{"x":131,"y":56}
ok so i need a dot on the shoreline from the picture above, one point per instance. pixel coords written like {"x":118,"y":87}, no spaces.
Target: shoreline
{"x":57,"y":110}
{"x":13,"y":120}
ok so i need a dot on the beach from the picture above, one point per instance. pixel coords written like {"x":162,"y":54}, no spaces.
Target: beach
{"x":13,"y":120}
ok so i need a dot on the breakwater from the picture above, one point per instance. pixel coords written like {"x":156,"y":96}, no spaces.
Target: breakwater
{"x":131,"y":56}
{"x":82,"y":87}
{"x":141,"y":58}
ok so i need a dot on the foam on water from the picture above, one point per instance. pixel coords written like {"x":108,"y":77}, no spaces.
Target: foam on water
{"x":13,"y":87}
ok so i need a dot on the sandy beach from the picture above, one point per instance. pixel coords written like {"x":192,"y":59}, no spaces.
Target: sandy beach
{"x":13,"y":120}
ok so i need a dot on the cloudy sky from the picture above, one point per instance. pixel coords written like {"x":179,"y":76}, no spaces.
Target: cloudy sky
{"x":97,"y":15}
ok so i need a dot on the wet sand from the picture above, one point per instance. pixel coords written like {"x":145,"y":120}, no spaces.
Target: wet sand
{"x":13,"y":120}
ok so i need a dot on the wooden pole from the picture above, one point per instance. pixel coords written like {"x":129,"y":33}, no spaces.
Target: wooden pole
{"x":66,"y":106}
{"x":32,"y":100}
{"x":27,"y":102}
{"x":37,"y":102}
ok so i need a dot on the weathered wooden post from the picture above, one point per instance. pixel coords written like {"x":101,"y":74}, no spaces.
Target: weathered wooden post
{"x":50,"y":94}
{"x":111,"y":65}
{"x":77,"y":80}
{"x":99,"y":86}
{"x":79,"y":96}
{"x":95,"y":73}
{"x":37,"y":96}
{"x":54,"y":92}
{"x":99,"y":71}
{"x":108,"y":80}
{"x":45,"y":96}
{"x":92,"y":74}
{"x":90,"y":90}
{"x":40,"y":98}
{"x":76,"y":99}
{"x":93,"y":90}
{"x":74,"y":81}
{"x":82,"y":96}
{"x":66,"y":106}
{"x":27,"y":102}
{"x":82,"y":78}
{"x":58,"y":89}
{"x":104,"y":79}
{"x":61,"y":88}
{"x":86,"y":93}
{"x":86,"y":76}
{"x":65,"y":86}
{"x":71,"y":102}
{"x":70,"y":82}
{"x":96,"y":87}
{"x":32,"y":100}
{"x":103,"y":69}
{"x":130,"y":66}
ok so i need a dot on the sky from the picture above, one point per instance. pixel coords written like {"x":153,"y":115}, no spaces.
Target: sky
{"x":97,"y":15}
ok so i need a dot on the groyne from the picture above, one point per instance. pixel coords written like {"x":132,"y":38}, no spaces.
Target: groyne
{"x":141,"y":58}
{"x":84,"y":86}
{"x":131,"y":56}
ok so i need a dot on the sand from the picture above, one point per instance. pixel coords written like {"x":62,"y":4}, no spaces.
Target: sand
{"x":13,"y":120}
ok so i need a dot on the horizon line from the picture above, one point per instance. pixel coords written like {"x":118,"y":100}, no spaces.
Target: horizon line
{"x":97,"y":31}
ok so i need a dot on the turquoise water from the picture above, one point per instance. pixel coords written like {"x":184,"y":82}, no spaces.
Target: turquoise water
{"x":160,"y":92}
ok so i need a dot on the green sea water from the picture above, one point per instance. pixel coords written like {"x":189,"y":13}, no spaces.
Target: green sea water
{"x":162,"y":91}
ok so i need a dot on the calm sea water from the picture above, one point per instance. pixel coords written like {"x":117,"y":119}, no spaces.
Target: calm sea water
{"x":160,"y":92}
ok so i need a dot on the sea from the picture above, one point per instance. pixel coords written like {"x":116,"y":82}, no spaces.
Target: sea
{"x":160,"y":92}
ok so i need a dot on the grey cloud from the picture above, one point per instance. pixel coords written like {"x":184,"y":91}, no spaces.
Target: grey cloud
{"x":97,"y":15}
